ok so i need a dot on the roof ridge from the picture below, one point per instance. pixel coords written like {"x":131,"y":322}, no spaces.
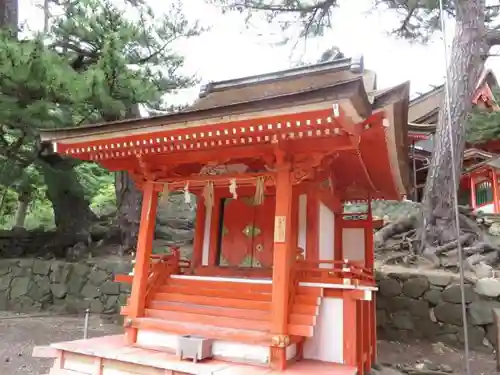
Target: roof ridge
{"x":356,"y":65}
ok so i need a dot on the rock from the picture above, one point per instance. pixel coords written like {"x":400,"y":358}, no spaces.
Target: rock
{"x":449,"y":313}
{"x":482,"y":270}
{"x":426,"y":327}
{"x":98,"y":231}
{"x":488,"y":287}
{"x":433,"y":296}
{"x":110,"y":288}
{"x":4,"y":269}
{"x":90,"y":291}
{"x":24,"y":303}
{"x":402,"y":320}
{"x":126,"y":288}
{"x":111,"y":305}
{"x":122,"y":299}
{"x":21,"y":271}
{"x":19,"y":287}
{"x":40,"y":289}
{"x":41,"y":267}
{"x":432,"y":316}
{"x":426,"y":372}
{"x":26,"y":263}
{"x":81,"y":269}
{"x":96,"y":306}
{"x":75,"y":284}
{"x":4,"y":301}
{"x":494,"y":229}
{"x":452,"y":294}
{"x":481,"y":312}
{"x":381,"y":318}
{"x":491,"y":334}
{"x":450,"y":328}
{"x":398,"y":303}
{"x":60,"y":272}
{"x":440,"y":348}
{"x":448,"y":338}
{"x":386,"y":371}
{"x":59,"y":290}
{"x":77,"y":252}
{"x":42,"y":281}
{"x":445,"y":368}
{"x":415,"y":287}
{"x":475,"y":335}
{"x":439,"y":279}
{"x":73,"y":304}
{"x":419,"y":308}
{"x":390,"y":287}
{"x":5,"y":281}
{"x":97,"y":277}
{"x":400,"y":276}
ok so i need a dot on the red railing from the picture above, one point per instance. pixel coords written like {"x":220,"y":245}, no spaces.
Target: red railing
{"x":161,"y":264}
{"x":333,"y":271}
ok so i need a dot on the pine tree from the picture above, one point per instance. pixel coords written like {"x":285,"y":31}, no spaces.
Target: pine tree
{"x":132,"y":62}
{"x":483,"y":126}
{"x":98,"y":62}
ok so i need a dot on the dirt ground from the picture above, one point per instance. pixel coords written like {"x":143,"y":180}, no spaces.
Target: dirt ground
{"x":19,"y":333}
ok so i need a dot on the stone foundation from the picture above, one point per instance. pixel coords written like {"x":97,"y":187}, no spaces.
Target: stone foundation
{"x":410,"y":303}
{"x":32,"y":284}
{"x":427,"y":305}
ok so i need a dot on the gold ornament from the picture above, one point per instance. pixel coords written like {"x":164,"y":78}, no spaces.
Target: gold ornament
{"x":281,"y":341}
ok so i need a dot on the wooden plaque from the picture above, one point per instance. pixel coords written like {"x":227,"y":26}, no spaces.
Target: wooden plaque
{"x":279,"y":229}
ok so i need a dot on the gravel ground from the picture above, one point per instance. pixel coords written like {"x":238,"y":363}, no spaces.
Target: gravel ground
{"x":19,"y":333}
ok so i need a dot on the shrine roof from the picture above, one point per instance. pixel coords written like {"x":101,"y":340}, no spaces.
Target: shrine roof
{"x":336,"y":79}
{"x":331,"y":109}
{"x":424,"y":109}
{"x":493,"y":162}
{"x":306,"y":78}
{"x":477,"y":153}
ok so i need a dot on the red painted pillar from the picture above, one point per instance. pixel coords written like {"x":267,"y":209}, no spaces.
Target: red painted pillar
{"x":283,"y":258}
{"x":473,"y":192}
{"x":312,"y":224}
{"x":496,"y":195}
{"x":199,"y":233}
{"x":350,"y":328}
{"x":143,"y":257}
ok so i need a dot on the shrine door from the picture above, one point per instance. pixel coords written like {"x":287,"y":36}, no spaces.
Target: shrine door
{"x":247,"y":233}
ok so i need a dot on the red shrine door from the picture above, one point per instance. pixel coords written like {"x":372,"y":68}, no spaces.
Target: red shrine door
{"x":247,"y":233}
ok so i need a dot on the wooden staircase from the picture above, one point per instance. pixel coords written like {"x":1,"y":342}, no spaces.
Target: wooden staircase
{"x":224,"y":310}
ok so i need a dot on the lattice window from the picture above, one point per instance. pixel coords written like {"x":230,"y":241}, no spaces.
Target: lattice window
{"x":484,"y":193}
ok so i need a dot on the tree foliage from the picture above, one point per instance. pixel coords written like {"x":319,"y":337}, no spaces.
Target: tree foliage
{"x":419,"y":19}
{"x":97,"y":60}
{"x":483,"y":126}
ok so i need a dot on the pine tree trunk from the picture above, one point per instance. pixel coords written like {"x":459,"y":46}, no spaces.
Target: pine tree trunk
{"x":72,"y":213}
{"x":466,"y":64}
{"x":128,"y":215}
{"x":22,"y":209}
{"x":128,"y":200}
{"x":9,"y":15}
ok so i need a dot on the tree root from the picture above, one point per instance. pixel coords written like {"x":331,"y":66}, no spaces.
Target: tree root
{"x":400,"y":238}
{"x":404,"y":225}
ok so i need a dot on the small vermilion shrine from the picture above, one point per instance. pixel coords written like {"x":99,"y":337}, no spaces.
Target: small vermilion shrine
{"x":479,"y":183}
{"x":280,"y":279}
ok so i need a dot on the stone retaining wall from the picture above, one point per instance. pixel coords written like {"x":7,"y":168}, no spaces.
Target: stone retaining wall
{"x":409,"y":302}
{"x":33,"y":284}
{"x":428,"y":305}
